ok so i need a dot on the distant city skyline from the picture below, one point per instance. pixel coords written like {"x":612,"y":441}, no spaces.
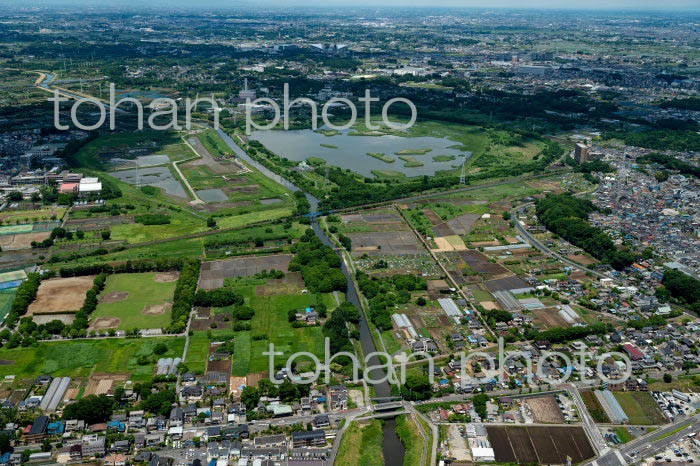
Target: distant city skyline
{"x":649,"y":5}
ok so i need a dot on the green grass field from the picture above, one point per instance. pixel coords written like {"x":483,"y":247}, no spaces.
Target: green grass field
{"x":197,"y":352}
{"x":143,"y":291}
{"x":6,"y":299}
{"x":640,"y":407}
{"x":253,"y":217}
{"x":362,"y":445}
{"x":270,"y":322}
{"x":85,"y":357}
{"x":412,"y":440}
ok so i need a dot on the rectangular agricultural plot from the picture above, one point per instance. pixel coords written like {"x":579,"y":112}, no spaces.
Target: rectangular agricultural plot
{"x":539,"y":445}
{"x":640,"y":407}
{"x":545,"y":409}
{"x":61,"y":295}
{"x":386,"y":243}
{"x":213,"y":273}
{"x":462,"y":225}
{"x":507,"y":284}
{"x":481,"y":264}
{"x":136,"y":300}
{"x":270,"y":324}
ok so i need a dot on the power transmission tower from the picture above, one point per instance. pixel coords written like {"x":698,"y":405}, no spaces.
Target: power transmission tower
{"x":462,"y":177}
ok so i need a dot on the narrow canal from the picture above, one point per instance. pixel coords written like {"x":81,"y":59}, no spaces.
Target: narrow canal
{"x":393,"y":448}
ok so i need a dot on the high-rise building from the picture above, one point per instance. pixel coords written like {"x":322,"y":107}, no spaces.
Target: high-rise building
{"x":581,"y":153}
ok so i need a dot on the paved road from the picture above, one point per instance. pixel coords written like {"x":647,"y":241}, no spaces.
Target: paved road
{"x":647,"y":446}
{"x":535,"y":242}
{"x":589,"y":425}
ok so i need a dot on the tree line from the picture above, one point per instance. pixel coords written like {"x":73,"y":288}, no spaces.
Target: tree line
{"x":567,"y":216}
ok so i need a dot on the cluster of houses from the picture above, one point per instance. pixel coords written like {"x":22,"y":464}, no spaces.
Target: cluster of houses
{"x":137,"y":437}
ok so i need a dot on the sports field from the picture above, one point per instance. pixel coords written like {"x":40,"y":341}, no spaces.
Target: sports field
{"x":6,"y":298}
{"x":59,"y":295}
{"x":136,"y":300}
{"x":85,"y":357}
{"x":12,"y":276}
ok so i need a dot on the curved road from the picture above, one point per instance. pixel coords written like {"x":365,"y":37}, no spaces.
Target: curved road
{"x":535,"y":242}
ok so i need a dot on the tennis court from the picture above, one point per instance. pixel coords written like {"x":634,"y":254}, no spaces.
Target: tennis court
{"x":13,"y":276}
{"x":14,"y":229}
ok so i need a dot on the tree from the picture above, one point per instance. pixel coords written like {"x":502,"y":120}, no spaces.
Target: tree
{"x":668,"y":378}
{"x":5,"y":443}
{"x":250,"y":397}
{"x":421,"y":301}
{"x":160,"y":348}
{"x":92,"y":409}
{"x":105,"y":235}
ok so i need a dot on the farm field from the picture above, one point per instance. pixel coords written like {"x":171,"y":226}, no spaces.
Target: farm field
{"x":640,"y":407}
{"x":60,"y":295}
{"x":198,"y":352}
{"x":539,"y":445}
{"x":31,"y":216}
{"x":594,"y":407}
{"x":270,"y":325}
{"x":362,"y":444}
{"x":545,"y":409}
{"x":85,"y":357}
{"x":138,"y":300}
{"x":214,"y":273}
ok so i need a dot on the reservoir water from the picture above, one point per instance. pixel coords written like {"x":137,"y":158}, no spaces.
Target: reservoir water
{"x":350,"y":151}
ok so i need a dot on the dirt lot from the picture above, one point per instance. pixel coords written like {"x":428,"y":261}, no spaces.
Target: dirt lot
{"x":377,"y":220}
{"x":102,"y":323}
{"x":114,"y":297}
{"x":46,"y":318}
{"x":214,"y":272}
{"x":463,"y":224}
{"x":61,"y":295}
{"x":292,"y":283}
{"x":157,"y":309}
{"x":539,"y":445}
{"x":167,"y":277}
{"x":545,"y":410}
{"x":23,"y":241}
{"x":103,"y":384}
{"x":91,"y":224}
{"x":386,"y":243}
{"x":582,"y":259}
{"x":549,"y":317}
{"x":219,"y":365}
{"x":207,"y":159}
{"x":479,"y":263}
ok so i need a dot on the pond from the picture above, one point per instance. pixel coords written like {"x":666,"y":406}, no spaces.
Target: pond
{"x":141,"y":161}
{"x":212,"y":195}
{"x":347,"y":151}
{"x":159,"y":177}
